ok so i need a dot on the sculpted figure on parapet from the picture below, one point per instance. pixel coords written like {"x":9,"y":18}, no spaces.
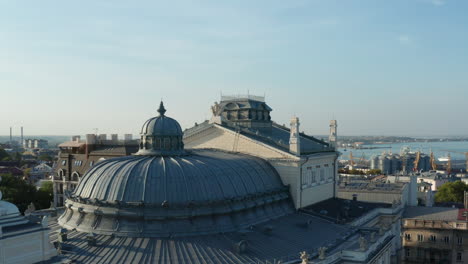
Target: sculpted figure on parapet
{"x":321,"y":251}
{"x":215,"y":108}
{"x":362,"y":243}
{"x":304,"y":257}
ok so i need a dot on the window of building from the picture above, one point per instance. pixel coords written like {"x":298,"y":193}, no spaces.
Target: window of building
{"x":64,"y":162}
{"x":407,"y":237}
{"x":306,"y":178}
{"x":459,"y":256}
{"x":460,"y":240}
{"x":420,"y":252}
{"x":167,"y":143}
{"x":91,"y":163}
{"x":309,"y":177}
{"x":407,"y":252}
{"x":445,"y":255}
{"x":420,"y":237}
{"x":322,"y":174}
{"x":446,"y":239}
{"x":432,"y":238}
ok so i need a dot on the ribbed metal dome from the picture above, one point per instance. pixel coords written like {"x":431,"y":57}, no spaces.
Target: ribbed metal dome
{"x":165,"y":191}
{"x":161,"y":135}
{"x":204,"y":176}
{"x":161,"y":125}
{"x":201,"y":192}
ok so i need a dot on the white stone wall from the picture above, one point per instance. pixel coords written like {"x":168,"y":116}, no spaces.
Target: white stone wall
{"x":369,"y":196}
{"x":26,"y":248}
{"x":318,"y":178}
{"x":289,"y":172}
{"x":292,"y":170}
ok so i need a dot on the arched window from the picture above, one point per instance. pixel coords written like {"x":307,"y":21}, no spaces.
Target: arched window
{"x":174,"y":143}
{"x":75,"y":176}
{"x":167,"y":143}
{"x":60,"y":174}
{"x":157,"y":143}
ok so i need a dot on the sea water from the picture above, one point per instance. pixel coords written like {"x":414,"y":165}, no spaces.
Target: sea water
{"x":456,"y":149}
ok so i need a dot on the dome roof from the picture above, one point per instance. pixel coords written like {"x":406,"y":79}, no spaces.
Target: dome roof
{"x":161,"y":125}
{"x":161,"y":135}
{"x":207,"y":191}
{"x":7,"y":208}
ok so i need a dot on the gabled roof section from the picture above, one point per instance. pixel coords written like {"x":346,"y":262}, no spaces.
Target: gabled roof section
{"x":277,"y":137}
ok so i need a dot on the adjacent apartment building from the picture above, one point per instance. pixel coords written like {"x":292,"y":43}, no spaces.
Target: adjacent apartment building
{"x":435,"y":235}
{"x":77,"y":156}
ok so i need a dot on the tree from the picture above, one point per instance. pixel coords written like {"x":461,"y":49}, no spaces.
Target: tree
{"x":18,"y":156}
{"x":21,"y":193}
{"x":45,"y":195}
{"x":451,"y":192}
{"x":374,"y":172}
{"x":45,"y":157}
{"x":4,"y":155}
{"x":27,"y":173}
{"x":17,"y":191}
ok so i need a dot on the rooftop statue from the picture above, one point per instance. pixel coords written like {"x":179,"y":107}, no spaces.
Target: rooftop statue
{"x":304,"y":257}
{"x":362,"y":243}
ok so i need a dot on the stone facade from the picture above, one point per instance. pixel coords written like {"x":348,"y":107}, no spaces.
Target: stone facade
{"x":437,"y":236}
{"x":76,"y":157}
{"x":306,"y":164}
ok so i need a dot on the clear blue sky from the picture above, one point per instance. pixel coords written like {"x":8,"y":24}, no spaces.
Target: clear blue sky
{"x":380,"y":67}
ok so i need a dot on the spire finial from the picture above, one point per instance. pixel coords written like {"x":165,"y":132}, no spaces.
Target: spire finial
{"x":161,"y":109}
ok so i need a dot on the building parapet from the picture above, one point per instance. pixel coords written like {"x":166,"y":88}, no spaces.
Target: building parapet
{"x":435,"y":224}
{"x":375,"y":212}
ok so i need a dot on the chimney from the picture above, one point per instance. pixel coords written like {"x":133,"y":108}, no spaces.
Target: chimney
{"x":465,"y":196}
{"x":21,"y":135}
{"x":128,"y":137}
{"x":90,"y":142}
{"x":294,"y":137}
{"x":11,"y":134}
{"x":333,"y":137}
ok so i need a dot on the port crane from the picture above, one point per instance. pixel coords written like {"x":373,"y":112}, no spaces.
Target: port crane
{"x":449,"y":161}
{"x":433,"y":163}
{"x":416,"y":161}
{"x":361,"y":160}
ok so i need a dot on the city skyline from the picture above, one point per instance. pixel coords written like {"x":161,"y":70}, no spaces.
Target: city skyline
{"x":388,"y":68}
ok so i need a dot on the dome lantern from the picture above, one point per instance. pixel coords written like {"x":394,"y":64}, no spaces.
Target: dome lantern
{"x":161,"y":135}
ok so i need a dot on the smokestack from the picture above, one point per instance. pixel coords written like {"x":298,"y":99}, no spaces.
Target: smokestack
{"x":21,"y":136}
{"x":11,"y":135}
